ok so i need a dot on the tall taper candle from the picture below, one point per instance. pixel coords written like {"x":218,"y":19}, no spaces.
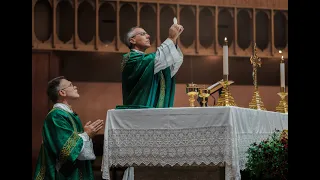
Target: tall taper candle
{"x":282,"y":77}
{"x":225,"y":57}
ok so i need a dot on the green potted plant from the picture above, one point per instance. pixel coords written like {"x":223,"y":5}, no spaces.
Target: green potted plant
{"x":269,"y":158}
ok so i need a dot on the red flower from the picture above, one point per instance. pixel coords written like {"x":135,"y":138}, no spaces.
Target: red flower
{"x":284,"y":141}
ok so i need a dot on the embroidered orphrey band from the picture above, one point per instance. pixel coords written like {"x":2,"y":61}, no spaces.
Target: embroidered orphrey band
{"x":162,"y":91}
{"x":68,"y":146}
{"x":124,"y":60}
{"x":80,"y":175}
{"x":42,"y":171}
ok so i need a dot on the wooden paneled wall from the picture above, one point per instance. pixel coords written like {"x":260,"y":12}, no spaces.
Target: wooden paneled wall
{"x":100,"y":26}
{"x":45,"y":66}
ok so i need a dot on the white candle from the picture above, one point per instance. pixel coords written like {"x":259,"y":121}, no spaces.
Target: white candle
{"x":225,"y":57}
{"x":282,"y":77}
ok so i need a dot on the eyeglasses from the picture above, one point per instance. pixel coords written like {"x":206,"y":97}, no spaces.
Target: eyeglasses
{"x":141,"y":34}
{"x":70,"y":85}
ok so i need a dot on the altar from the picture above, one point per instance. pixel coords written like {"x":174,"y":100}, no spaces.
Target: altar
{"x":187,"y":136}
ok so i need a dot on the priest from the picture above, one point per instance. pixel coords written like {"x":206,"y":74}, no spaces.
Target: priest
{"x":148,"y":79}
{"x":67,"y":150}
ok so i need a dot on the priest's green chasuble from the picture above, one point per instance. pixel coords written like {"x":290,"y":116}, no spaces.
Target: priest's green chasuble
{"x":141,"y":88}
{"x":60,"y":148}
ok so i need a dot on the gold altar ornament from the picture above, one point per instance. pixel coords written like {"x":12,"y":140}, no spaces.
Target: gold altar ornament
{"x":256,"y":102}
{"x":192,"y":91}
{"x":283,"y":105}
{"x":225,"y":98}
{"x":284,"y":134}
{"x":204,"y":93}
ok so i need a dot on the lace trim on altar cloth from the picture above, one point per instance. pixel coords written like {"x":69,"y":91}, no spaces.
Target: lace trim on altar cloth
{"x":162,"y":147}
{"x":170,"y":147}
{"x":182,"y":147}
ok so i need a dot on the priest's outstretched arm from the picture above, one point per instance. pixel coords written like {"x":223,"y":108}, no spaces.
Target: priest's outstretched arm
{"x":168,"y":55}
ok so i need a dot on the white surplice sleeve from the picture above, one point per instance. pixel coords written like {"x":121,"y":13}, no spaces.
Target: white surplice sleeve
{"x":168,"y":55}
{"x":86,"y":152}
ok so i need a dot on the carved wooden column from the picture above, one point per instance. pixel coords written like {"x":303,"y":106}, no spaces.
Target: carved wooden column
{"x":138,"y":14}
{"x":118,"y":26}
{"x":158,"y":25}
{"x":235,"y":31}
{"x":197,"y":29}
{"x":96,"y":43}
{"x":216,"y":30}
{"x":33,"y":33}
{"x":75,"y":35}
{"x":54,"y":25}
{"x":272,"y":32}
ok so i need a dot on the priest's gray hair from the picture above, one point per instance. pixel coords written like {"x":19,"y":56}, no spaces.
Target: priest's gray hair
{"x":53,"y":88}
{"x":129,"y":35}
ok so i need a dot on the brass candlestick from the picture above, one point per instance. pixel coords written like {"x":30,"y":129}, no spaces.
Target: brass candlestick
{"x":204,"y":93}
{"x":192,"y":91}
{"x":256,"y":102}
{"x":225,"y":98}
{"x":283,"y":105}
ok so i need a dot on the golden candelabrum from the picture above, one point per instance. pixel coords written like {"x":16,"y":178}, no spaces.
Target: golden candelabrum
{"x":283,"y":105}
{"x":204,"y":93}
{"x":256,"y":102}
{"x":192,"y":91}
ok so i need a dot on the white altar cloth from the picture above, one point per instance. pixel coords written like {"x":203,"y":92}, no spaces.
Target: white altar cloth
{"x":186,"y":136}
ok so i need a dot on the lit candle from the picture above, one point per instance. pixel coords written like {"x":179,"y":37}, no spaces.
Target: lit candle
{"x":225,"y":57}
{"x":282,"y":77}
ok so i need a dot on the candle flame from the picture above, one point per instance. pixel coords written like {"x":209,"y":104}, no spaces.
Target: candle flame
{"x":225,"y":39}
{"x":280,"y":51}
{"x":281,"y":57}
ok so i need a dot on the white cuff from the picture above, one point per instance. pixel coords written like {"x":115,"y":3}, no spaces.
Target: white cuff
{"x":86,"y":152}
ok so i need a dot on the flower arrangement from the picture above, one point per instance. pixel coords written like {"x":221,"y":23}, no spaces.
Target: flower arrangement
{"x":269,"y":158}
